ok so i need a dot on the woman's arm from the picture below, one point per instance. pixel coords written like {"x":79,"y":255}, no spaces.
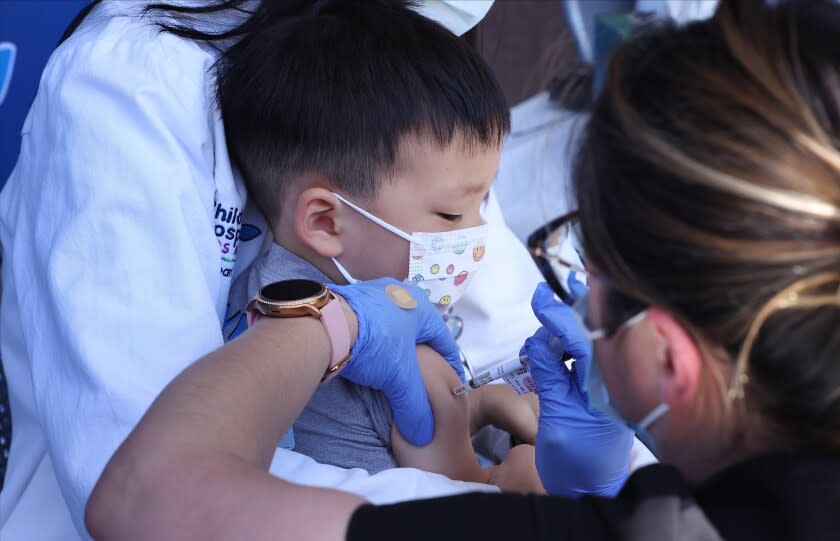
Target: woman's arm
{"x":195,"y":467}
{"x":196,"y":464}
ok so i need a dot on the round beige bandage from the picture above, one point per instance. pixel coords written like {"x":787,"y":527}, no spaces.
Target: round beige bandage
{"x":401,"y":297}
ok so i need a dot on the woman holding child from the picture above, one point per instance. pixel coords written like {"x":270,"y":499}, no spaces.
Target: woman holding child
{"x":123,"y":227}
{"x":709,"y":215}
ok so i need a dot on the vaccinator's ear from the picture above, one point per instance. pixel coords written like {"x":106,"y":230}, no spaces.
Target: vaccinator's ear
{"x":683,"y":360}
{"x":319,"y":221}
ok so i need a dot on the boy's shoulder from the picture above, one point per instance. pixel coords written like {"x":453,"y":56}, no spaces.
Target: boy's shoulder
{"x":274,"y":265}
{"x":278,"y":263}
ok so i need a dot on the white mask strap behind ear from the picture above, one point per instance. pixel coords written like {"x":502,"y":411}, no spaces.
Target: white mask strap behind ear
{"x":378,"y":221}
{"x":654,"y":415}
{"x":344,"y":272}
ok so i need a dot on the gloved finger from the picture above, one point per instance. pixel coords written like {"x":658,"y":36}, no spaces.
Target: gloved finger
{"x":410,"y":405}
{"x":532,"y":341}
{"x":547,"y":368}
{"x":555,"y":345}
{"x":446,"y":346}
{"x":433,"y":331}
{"x":358,"y":299}
{"x":577,"y":289}
{"x":580,"y":371}
{"x":560,"y":320}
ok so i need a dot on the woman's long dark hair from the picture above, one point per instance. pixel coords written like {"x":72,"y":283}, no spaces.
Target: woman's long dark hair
{"x":194,"y":22}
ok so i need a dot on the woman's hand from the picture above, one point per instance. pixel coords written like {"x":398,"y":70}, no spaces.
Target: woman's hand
{"x":578,"y":451}
{"x":391,"y":323}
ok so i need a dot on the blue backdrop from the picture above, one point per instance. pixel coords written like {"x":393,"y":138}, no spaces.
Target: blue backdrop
{"x":29,"y":31}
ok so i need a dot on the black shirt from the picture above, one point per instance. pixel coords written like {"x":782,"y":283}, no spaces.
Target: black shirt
{"x":775,"y":497}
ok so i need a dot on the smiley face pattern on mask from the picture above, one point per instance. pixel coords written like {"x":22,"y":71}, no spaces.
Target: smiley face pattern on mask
{"x":459,"y":253}
{"x":444,"y":263}
{"x":478,"y":252}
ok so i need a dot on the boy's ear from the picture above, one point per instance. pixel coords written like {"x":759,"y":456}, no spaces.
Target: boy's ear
{"x":318,"y":221}
{"x":683,"y":361}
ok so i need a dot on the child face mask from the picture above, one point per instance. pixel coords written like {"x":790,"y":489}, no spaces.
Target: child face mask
{"x":442,"y":263}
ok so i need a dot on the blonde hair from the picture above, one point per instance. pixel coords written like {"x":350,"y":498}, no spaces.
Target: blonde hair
{"x":709,"y":184}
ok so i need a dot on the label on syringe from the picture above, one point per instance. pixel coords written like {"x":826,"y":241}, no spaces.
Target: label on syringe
{"x":520,"y":380}
{"x":515,"y":372}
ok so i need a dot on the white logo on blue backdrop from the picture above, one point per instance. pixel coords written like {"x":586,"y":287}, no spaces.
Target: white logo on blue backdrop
{"x":8,"y":51}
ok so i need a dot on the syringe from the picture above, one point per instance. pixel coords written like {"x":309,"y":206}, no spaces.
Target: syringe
{"x":516,"y":372}
{"x":505,"y":368}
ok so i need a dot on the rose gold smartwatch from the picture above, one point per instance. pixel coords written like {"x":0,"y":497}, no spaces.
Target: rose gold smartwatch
{"x":298,"y":298}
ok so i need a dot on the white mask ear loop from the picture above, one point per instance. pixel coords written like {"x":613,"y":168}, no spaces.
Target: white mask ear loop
{"x":654,"y":415}
{"x":344,"y":272}
{"x":662,"y":408}
{"x":378,"y":221}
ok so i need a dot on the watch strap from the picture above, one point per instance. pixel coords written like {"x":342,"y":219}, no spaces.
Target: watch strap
{"x":252,"y":313}
{"x":333,"y":319}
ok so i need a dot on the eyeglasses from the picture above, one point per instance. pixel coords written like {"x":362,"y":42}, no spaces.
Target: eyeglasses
{"x":557,"y":251}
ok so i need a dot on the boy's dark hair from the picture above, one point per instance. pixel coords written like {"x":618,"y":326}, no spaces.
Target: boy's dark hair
{"x":332,"y":91}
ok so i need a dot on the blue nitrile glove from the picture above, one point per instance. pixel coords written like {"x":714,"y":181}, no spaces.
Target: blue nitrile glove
{"x":384,"y":354}
{"x":578,"y":452}
{"x":577,"y":289}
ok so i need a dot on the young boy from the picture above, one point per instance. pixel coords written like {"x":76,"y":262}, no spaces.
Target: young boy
{"x":357,"y":126}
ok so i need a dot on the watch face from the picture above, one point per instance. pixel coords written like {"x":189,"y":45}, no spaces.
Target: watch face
{"x":291,"y":290}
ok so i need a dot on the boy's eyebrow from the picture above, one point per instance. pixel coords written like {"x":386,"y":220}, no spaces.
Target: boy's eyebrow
{"x":470,"y":189}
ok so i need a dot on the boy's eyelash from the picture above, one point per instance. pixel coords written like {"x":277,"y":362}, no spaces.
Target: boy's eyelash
{"x":450,"y":217}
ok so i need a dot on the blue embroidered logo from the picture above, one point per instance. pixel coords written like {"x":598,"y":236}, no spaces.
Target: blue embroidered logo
{"x":236,"y":321}
{"x":249,"y":232}
{"x":8,"y":51}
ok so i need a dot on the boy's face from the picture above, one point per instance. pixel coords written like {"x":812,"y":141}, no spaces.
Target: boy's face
{"x":432,"y":190}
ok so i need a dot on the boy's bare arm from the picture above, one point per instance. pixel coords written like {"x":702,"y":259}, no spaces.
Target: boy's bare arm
{"x":518,"y":472}
{"x":451,"y":452}
{"x":500,"y":406}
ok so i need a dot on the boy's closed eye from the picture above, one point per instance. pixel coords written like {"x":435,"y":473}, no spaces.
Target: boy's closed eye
{"x":454,"y":218}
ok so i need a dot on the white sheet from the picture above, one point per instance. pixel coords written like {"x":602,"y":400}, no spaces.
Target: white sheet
{"x":389,"y":486}
{"x":397,"y":485}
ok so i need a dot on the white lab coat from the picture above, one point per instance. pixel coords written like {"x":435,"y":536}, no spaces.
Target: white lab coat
{"x":533,"y":185}
{"x":114,"y":225}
